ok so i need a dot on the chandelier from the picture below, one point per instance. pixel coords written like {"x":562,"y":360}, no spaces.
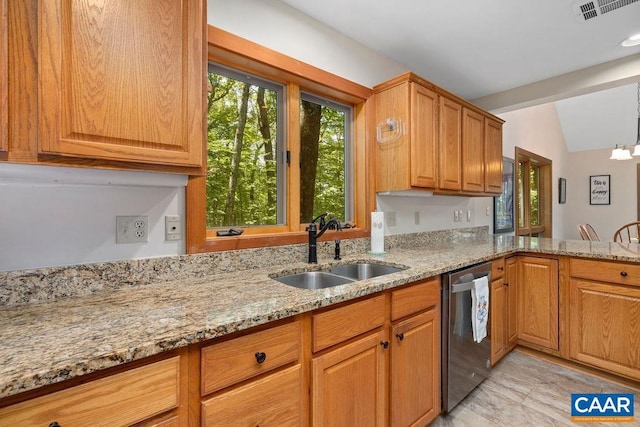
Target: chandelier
{"x":624,"y":153}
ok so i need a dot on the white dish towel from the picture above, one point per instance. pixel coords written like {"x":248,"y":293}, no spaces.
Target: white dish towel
{"x":479,"y":308}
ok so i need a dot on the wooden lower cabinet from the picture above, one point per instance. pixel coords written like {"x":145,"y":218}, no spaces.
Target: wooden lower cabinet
{"x":348,"y":384}
{"x":415,"y":370}
{"x":538,"y":302}
{"x":125,"y":398}
{"x":604,"y":326}
{"x":503,"y":311}
{"x":274,"y":400}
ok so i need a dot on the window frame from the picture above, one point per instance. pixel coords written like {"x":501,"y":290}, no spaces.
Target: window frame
{"x":228,"y":50}
{"x":544,"y":165}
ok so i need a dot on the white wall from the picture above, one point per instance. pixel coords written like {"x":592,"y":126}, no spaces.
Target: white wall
{"x":606,"y":219}
{"x":53,"y":216}
{"x":537,"y":129}
{"x":435,"y":213}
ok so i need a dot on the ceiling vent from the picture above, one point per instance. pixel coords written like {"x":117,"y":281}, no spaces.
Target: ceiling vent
{"x":586,"y":11}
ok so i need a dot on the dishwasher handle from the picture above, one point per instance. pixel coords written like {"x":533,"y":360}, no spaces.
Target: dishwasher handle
{"x":468,"y":284}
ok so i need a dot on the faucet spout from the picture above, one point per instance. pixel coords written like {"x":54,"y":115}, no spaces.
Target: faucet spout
{"x":315,"y":234}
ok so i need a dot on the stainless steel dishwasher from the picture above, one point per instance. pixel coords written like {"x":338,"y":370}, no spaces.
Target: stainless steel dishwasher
{"x":465,"y":363}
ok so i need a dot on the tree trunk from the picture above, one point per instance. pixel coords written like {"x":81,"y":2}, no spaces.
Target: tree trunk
{"x":265,"y":131}
{"x":235,"y":161}
{"x":309,"y":143}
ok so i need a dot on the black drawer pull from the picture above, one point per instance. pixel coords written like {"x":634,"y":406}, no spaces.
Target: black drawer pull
{"x":501,"y":268}
{"x":54,"y":424}
{"x":384,"y":344}
{"x":506,"y":284}
{"x":400,"y":336}
{"x":261,"y":357}
{"x":623,"y":273}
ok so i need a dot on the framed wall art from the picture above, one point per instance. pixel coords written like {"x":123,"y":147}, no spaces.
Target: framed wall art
{"x":503,"y":219}
{"x":562,"y":190}
{"x":600,"y":190}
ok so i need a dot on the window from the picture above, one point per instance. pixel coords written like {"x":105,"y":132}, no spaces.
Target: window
{"x":533,"y":195}
{"x":286,"y":142}
{"x":245,"y":142}
{"x":325,"y":159}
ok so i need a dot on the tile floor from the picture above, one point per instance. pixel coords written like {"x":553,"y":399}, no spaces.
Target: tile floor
{"x":526,"y":391}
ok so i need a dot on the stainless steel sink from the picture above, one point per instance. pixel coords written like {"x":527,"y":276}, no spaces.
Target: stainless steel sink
{"x":361,"y":271}
{"x":313,"y":280}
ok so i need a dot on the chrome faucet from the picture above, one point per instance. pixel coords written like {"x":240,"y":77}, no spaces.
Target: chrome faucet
{"x":314,"y":234}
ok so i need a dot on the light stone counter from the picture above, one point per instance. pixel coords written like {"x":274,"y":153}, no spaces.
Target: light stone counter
{"x":150,"y":306}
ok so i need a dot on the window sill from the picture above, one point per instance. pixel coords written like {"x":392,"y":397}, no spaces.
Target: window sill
{"x":215,"y":244}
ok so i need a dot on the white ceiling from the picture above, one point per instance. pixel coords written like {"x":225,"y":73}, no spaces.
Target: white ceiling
{"x":479,"y":48}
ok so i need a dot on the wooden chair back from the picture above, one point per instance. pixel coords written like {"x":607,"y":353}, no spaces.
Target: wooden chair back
{"x":627,"y":233}
{"x":587,"y":232}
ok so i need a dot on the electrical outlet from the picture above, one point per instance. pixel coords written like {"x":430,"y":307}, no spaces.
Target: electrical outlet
{"x":416,"y":217}
{"x":468,"y":215}
{"x":456,"y":216}
{"x":488,"y":210}
{"x":391,"y":218}
{"x":172,"y":227}
{"x":132,"y":229}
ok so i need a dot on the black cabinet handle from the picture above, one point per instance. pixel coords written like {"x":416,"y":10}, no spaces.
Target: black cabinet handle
{"x":501,"y":268}
{"x":400,"y":336}
{"x":261,"y":357}
{"x":623,"y":273}
{"x":384,"y":344}
{"x":54,"y":424}
{"x":506,"y":284}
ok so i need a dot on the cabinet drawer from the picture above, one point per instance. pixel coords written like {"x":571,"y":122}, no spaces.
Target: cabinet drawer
{"x":497,"y":268}
{"x":624,"y":274}
{"x":121,"y":399}
{"x":340,"y":324}
{"x":229,"y":362}
{"x":413,"y":299}
{"x":272,"y":400}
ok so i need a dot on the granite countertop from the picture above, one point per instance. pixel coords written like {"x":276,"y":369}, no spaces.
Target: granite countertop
{"x":48,"y":342}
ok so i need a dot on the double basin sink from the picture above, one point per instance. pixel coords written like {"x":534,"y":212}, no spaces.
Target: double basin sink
{"x":339,"y":275}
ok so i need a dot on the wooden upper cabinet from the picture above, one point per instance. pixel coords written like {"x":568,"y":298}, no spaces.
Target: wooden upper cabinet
{"x":492,"y":156}
{"x":450,"y":144}
{"x":472,"y":151}
{"x":122,"y":80}
{"x":410,"y":158}
{"x":4,"y":77}
{"x":424,"y":137}
{"x":431,"y":139}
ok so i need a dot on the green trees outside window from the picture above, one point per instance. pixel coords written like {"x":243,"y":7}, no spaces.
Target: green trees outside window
{"x":247,"y":153}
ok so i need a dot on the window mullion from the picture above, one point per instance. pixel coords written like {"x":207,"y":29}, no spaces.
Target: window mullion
{"x":293,"y":146}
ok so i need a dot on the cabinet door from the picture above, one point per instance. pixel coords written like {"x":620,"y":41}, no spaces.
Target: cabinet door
{"x":538,"y":301}
{"x":275,"y":400}
{"x":511,"y":301}
{"x":348,"y":384}
{"x":415,"y":373}
{"x":450,"y":140}
{"x":4,"y":77}
{"x":393,"y":166}
{"x":122,"y":80}
{"x":472,"y":151}
{"x":497,"y":313}
{"x":603,"y":329}
{"x":424,"y":137}
{"x":492,"y":156}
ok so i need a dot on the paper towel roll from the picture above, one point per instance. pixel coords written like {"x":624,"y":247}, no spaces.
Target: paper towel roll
{"x":377,"y":232}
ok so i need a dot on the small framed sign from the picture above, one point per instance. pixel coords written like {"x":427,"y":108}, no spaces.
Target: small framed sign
{"x":562,"y":190}
{"x":600,"y":189}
